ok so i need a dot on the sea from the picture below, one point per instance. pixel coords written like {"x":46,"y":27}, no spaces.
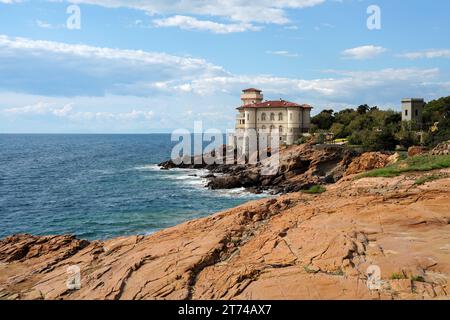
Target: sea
{"x":100,"y":186}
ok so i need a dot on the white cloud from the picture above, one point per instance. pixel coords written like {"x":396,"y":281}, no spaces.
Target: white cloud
{"x":91,"y":52}
{"x":284,"y":53}
{"x":67,"y":111}
{"x":75,"y":84}
{"x":81,"y":69}
{"x":428,"y":54}
{"x":363,"y":52}
{"x":46,"y":25}
{"x":190,"y":23}
{"x":345,"y":86}
{"x":261,"y":11}
{"x":43,"y":24}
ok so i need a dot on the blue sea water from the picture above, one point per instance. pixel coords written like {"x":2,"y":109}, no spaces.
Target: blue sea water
{"x":99,"y":186}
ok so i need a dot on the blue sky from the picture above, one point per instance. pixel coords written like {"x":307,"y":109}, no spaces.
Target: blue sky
{"x":138,"y":66}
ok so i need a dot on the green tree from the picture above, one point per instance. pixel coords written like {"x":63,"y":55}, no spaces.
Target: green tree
{"x":323,"y":120}
{"x":362,"y":109}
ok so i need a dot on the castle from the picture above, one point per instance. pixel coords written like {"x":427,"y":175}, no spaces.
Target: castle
{"x":291,"y":119}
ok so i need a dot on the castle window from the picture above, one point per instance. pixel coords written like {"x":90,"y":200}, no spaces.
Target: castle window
{"x":290,"y":115}
{"x":281,"y":129}
{"x":280,"y":117}
{"x":263,"y":117}
{"x":272,"y":116}
{"x":417,"y":113}
{"x":272,"y":128}
{"x":406,"y":113}
{"x":248,"y":116}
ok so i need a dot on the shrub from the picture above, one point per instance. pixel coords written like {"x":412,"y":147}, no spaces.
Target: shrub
{"x":315,"y":189}
{"x":398,"y":276}
{"x":418,"y":278}
{"x":417,"y":163}
{"x":426,"y":179}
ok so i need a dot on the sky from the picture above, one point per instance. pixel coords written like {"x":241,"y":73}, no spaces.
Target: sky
{"x":137,"y":66}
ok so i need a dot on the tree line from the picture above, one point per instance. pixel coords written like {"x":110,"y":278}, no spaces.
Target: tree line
{"x":376,"y":129}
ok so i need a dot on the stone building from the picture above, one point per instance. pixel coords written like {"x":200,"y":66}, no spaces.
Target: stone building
{"x":291,"y":119}
{"x":412,"y":109}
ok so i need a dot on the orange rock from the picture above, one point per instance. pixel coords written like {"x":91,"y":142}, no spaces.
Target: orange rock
{"x":415,"y":151}
{"x":369,"y":161}
{"x":296,"y":246}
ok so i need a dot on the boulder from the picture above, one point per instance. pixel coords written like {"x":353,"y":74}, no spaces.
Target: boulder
{"x":416,"y":150}
{"x":441,"y":149}
{"x":369,"y":161}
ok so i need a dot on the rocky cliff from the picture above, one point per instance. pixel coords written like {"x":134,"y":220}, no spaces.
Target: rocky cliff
{"x":299,"y":167}
{"x":295,"y":246}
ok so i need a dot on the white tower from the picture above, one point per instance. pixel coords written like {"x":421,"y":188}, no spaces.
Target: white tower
{"x":251,"y":96}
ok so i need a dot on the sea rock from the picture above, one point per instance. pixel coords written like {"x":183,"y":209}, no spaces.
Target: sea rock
{"x":299,"y":166}
{"x":295,"y":246}
{"x":369,"y":161}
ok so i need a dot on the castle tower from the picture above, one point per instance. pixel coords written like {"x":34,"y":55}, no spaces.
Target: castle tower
{"x":412,"y":109}
{"x":251,"y":96}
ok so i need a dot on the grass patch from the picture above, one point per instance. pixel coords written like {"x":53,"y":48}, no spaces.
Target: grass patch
{"x":417,"y":278}
{"x":338,"y":272}
{"x":417,"y":163}
{"x":316,"y":189}
{"x":398,"y":276}
{"x":309,"y":270}
{"x":426,"y":179}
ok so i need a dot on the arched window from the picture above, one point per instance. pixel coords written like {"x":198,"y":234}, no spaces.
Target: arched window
{"x":263,"y":127}
{"x":272,"y":116}
{"x":272,"y":128}
{"x":281,"y":129}
{"x":263,"y":117}
{"x":280,"y":117}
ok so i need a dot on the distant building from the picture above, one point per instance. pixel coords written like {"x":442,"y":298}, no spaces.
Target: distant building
{"x":412,"y":109}
{"x":291,"y":119}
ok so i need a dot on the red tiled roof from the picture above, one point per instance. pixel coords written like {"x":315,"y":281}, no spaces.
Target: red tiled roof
{"x":275,"y":104}
{"x":251,"y":89}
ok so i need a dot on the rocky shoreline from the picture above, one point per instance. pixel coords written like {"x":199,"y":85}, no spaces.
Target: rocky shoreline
{"x":301,"y":166}
{"x":296,"y":246}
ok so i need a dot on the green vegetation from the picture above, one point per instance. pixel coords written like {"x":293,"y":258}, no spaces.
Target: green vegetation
{"x":378,"y":130}
{"x":309,"y":270}
{"x":338,"y":272}
{"x":417,"y":163}
{"x":302,"y":140}
{"x":426,"y":179}
{"x":398,"y":276}
{"x":418,"y":278}
{"x":315,"y":189}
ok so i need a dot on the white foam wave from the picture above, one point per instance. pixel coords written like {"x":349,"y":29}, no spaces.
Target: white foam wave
{"x":149,"y":167}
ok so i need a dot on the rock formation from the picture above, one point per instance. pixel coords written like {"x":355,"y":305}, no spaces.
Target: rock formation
{"x":295,"y":246}
{"x":299,"y":167}
{"x":441,"y":149}
{"x":369,"y":161}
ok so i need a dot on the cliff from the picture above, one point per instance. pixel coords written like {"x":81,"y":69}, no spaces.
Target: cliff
{"x":300,"y":166}
{"x":295,"y":246}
